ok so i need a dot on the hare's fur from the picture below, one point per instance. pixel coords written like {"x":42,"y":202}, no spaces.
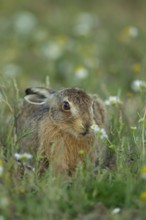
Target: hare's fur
{"x":63,"y":137}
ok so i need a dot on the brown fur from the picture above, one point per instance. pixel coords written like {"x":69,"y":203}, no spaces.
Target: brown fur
{"x":61,"y":137}
{"x":64,"y":149}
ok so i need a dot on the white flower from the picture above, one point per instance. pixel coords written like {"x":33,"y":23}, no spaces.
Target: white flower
{"x":24,"y":156}
{"x":85,"y":22}
{"x":2,"y":217}
{"x":1,"y":170}
{"x":134,"y":128}
{"x":81,"y":73}
{"x":11,"y":70}
{"x":25,"y":22}
{"x":116,"y":211}
{"x":133,"y":31}
{"x":137,"y":85}
{"x":143,"y":175}
{"x":112,"y":100}
{"x":99,"y":131}
{"x":52,"y":50}
{"x":4,"y":202}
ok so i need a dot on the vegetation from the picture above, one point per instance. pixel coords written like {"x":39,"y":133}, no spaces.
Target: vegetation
{"x":98,"y":46}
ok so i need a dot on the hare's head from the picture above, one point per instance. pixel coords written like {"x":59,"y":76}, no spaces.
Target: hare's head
{"x":71,"y":110}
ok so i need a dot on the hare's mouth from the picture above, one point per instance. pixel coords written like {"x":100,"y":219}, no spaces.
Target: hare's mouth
{"x":85,"y":133}
{"x":86,"y":130}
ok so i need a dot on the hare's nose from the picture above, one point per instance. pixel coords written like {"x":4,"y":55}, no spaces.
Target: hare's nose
{"x":86,"y":129}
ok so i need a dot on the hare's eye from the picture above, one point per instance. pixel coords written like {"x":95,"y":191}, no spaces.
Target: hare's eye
{"x":66,"y":105}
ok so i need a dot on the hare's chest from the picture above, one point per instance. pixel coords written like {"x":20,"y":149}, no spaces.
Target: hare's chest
{"x":66,"y":151}
{"x":77,"y":150}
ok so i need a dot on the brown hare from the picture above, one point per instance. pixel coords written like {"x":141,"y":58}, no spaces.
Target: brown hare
{"x":59,"y":126}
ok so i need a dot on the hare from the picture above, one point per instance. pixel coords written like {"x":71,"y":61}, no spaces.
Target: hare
{"x":59,"y":125}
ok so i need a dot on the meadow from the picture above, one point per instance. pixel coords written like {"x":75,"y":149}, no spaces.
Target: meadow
{"x":98,"y":46}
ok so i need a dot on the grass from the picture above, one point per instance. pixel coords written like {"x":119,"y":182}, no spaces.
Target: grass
{"x":100,"y":47}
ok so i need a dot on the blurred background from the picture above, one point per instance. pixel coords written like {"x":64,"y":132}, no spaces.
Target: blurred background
{"x":96,"y":45}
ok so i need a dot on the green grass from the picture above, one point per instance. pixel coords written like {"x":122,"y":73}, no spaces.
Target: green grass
{"x":58,"y":39}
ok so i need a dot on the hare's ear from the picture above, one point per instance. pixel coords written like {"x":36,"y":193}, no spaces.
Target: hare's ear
{"x":38,"y":95}
{"x":35,"y":99}
{"x":42,"y":91}
{"x":99,"y":111}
